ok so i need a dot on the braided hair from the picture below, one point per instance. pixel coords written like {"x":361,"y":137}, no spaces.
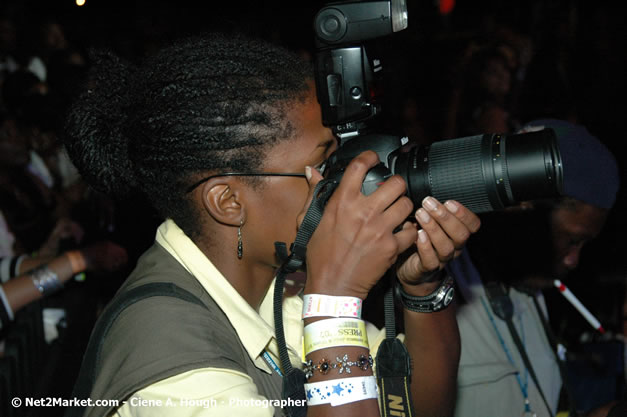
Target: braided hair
{"x":206,"y":103}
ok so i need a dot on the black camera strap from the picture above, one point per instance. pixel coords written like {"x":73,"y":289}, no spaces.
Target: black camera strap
{"x":393,"y":365}
{"x":294,"y":379}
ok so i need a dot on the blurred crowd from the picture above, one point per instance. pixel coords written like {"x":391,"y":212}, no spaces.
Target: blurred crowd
{"x":51,"y":222}
{"x":454,"y":76}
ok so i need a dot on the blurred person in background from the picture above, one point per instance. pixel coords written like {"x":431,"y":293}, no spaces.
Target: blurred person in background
{"x":482,"y":99}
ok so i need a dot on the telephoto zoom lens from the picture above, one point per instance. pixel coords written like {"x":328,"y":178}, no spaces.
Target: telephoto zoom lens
{"x":485,"y":172}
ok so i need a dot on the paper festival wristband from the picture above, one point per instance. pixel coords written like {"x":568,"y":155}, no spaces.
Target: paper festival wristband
{"x":341,"y":391}
{"x":335,"y":332}
{"x":318,"y":305}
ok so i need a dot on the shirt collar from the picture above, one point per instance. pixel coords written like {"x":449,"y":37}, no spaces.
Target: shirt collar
{"x":255,"y":330}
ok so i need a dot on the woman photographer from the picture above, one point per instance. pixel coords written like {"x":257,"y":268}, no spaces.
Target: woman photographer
{"x":223,"y":135}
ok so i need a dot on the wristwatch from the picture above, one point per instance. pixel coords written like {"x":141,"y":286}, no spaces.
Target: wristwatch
{"x":436,"y":301}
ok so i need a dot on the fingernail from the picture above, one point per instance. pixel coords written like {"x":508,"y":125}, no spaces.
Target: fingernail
{"x":429,"y":203}
{"x":422,"y":235}
{"x":423,"y":216}
{"x":308,"y":173}
{"x":451,"y":206}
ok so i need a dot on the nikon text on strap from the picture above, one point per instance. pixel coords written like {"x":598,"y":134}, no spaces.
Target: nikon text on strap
{"x":393,"y":367}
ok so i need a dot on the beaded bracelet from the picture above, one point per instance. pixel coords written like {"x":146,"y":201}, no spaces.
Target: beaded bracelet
{"x":363,"y":362}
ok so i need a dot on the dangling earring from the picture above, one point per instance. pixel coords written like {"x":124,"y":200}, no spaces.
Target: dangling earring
{"x":240,"y":246}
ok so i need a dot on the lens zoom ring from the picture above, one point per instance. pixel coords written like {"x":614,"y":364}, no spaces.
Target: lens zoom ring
{"x":504,"y":174}
{"x":455,"y":172}
{"x":505,"y":177}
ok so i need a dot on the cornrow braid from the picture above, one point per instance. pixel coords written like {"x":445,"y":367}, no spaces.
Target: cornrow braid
{"x":207,"y":103}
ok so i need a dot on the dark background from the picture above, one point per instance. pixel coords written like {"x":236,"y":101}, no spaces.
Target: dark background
{"x":591,"y":35}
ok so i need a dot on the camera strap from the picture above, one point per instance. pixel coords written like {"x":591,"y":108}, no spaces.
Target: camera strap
{"x":504,"y":309}
{"x":294,"y":379}
{"x":393,"y":365}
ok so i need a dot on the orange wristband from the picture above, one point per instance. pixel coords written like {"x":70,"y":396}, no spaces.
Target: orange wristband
{"x":77,"y":261}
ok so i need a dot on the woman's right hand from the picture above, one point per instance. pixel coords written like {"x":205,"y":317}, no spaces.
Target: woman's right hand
{"x":355,"y":244}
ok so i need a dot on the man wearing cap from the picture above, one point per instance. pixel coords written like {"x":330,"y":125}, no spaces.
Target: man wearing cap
{"x":509,"y":363}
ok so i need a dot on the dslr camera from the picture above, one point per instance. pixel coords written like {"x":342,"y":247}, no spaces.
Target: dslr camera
{"x":485,"y":172}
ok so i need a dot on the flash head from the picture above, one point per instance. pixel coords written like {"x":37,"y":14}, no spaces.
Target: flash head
{"x":347,"y":81}
{"x":357,"y":21}
{"x":399,"y":15}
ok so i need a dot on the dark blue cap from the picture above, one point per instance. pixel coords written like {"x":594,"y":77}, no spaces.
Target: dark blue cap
{"x":590,"y":169}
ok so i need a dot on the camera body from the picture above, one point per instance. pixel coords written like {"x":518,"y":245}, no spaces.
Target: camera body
{"x":485,"y":172}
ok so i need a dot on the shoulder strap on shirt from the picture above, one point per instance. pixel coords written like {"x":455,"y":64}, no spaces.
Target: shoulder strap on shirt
{"x":504,"y":309}
{"x":86,"y":378}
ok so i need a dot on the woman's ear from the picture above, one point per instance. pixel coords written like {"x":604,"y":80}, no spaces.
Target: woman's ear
{"x":222,"y":199}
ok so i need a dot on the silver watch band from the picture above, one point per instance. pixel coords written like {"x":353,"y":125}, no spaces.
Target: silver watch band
{"x":436,"y":301}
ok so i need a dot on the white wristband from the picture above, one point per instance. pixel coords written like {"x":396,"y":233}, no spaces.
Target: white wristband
{"x":318,"y":305}
{"x":342,"y":391}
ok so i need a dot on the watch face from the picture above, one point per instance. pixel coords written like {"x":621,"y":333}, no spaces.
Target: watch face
{"x":449,"y":296}
{"x":436,"y":301}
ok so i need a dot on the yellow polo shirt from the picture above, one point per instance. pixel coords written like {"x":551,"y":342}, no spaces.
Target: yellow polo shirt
{"x":221,"y":392}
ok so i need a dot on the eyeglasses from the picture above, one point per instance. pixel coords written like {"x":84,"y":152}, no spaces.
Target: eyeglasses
{"x":244,"y":174}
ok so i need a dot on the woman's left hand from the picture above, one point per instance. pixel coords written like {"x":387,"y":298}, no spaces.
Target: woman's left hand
{"x":445,"y":228}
